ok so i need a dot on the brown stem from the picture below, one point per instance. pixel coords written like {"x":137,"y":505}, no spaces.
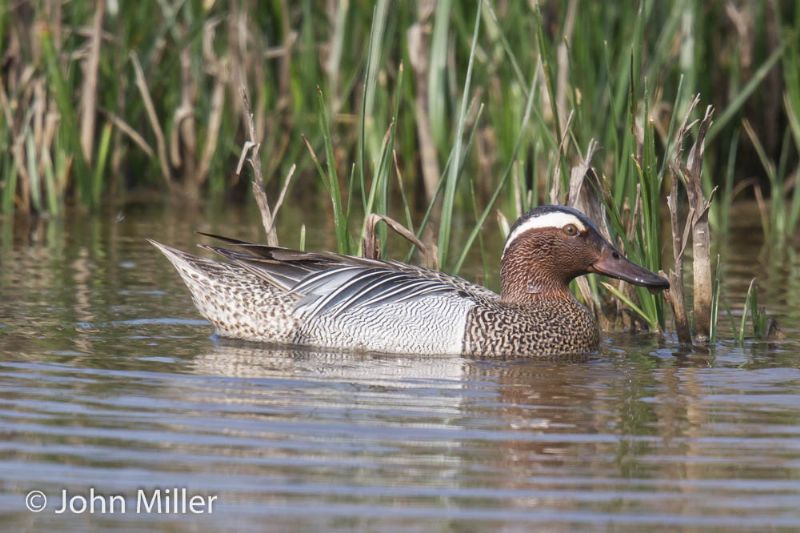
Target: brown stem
{"x":250,"y":151}
{"x":89,"y":91}
{"x":152,"y":116}
{"x":701,"y":236}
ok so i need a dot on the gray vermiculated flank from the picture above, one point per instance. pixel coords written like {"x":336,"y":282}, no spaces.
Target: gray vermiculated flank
{"x":242,"y":304}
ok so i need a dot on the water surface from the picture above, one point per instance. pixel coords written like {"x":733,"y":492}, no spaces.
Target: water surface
{"x":110,"y":381}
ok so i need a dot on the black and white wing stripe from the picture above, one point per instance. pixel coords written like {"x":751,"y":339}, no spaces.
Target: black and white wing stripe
{"x":364,"y":287}
{"x":332,"y":284}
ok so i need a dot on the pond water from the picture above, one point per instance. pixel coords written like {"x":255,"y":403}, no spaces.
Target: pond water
{"x":109,"y":380}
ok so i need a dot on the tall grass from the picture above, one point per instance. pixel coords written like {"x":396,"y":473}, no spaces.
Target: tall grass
{"x":609,"y":65}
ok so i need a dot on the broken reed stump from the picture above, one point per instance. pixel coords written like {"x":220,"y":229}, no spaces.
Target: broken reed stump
{"x":689,"y":173}
{"x":701,"y":232}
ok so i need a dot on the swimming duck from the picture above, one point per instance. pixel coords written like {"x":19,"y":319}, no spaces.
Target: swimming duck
{"x":328,"y":300}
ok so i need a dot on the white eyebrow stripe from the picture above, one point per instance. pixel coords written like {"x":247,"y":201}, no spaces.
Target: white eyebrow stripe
{"x":556,"y":219}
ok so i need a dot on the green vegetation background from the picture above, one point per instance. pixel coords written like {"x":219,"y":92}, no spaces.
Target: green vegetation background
{"x":443,"y":112}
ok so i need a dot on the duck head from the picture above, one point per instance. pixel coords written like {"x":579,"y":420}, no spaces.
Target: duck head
{"x":550,"y":246}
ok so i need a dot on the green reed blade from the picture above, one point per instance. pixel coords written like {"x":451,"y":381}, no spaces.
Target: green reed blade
{"x":33,"y":172}
{"x":627,"y":301}
{"x":68,"y":122}
{"x":747,"y":305}
{"x":51,"y":189}
{"x":331,"y":180}
{"x":739,"y":100}
{"x":100,"y":163}
{"x":366,"y":120}
{"x":727,"y":189}
{"x":792,"y":105}
{"x":453,"y":175}
{"x":714,"y":329}
{"x":437,"y":88}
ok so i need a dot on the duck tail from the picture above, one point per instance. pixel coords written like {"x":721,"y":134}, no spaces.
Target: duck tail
{"x":232,"y":298}
{"x":187,"y":264}
{"x":204,"y":277}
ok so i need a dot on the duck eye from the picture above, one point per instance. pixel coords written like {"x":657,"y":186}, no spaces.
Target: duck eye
{"x":570,"y":230}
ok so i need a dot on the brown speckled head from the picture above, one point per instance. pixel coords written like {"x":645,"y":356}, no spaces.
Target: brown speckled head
{"x":550,"y":246}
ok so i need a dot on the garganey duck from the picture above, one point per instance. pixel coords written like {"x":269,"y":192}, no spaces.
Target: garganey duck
{"x":327,"y":300}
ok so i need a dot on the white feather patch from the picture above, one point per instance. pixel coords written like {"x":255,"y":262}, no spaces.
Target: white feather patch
{"x":555,"y":219}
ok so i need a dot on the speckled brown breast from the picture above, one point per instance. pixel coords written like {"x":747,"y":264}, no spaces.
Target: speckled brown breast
{"x":547,"y":327}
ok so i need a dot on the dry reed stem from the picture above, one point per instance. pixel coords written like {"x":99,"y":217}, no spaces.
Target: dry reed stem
{"x":690,"y":174}
{"x":337,"y":18}
{"x":212,"y":134}
{"x":701,"y":232}
{"x":263,"y":207}
{"x":486,"y":152}
{"x":89,"y":90}
{"x":250,"y":152}
{"x":161,"y":144}
{"x":371,"y":244}
{"x":502,"y":223}
{"x":763,"y":210}
{"x":674,"y":295}
{"x":22,"y":169}
{"x":132,"y":134}
{"x":217,"y":68}
{"x":38,"y":106}
{"x":6,"y":105}
{"x":585,"y":199}
{"x":555,"y":181}
{"x":562,"y":55}
{"x":183,"y":134}
{"x":182,"y":112}
{"x":584,"y":186}
{"x":284,"y":80}
{"x":401,"y":186}
{"x":282,"y":195}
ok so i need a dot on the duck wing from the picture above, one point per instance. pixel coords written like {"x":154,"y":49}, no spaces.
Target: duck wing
{"x":331,"y":283}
